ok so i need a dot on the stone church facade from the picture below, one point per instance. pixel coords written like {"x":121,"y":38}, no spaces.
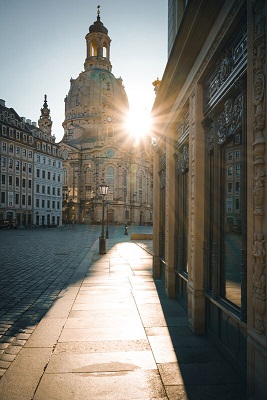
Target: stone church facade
{"x":96,"y":147}
{"x":209,"y":171}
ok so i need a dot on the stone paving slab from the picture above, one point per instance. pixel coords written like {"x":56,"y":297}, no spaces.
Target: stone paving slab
{"x":110,"y":333}
{"x":122,"y":385}
{"x":23,"y":376}
{"x":101,"y":362}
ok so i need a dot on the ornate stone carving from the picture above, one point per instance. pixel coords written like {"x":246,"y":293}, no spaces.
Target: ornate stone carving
{"x":238,"y":4}
{"x":259,"y":102}
{"x":258,"y":192}
{"x":229,"y":121}
{"x":208,"y":125}
{"x":182,"y":164}
{"x":183,"y":127}
{"x":226,"y":66}
{"x":259,"y":282}
{"x":229,"y":62}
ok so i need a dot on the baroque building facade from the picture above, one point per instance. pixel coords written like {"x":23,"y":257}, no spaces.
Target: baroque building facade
{"x":209,"y":172}
{"x":48,"y":172}
{"x":31,"y":170}
{"x":96,"y":147}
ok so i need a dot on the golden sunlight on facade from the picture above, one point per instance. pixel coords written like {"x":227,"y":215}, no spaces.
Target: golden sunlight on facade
{"x":209,"y":189}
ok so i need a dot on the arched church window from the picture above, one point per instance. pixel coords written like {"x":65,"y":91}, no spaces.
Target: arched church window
{"x":140,"y":181}
{"x":78,"y":99}
{"x":105,"y":50}
{"x":110,"y":182}
{"x":93,"y":49}
{"x":65,"y":176}
{"x":110,"y":176}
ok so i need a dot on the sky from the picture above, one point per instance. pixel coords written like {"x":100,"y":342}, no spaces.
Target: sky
{"x":43,"y":46}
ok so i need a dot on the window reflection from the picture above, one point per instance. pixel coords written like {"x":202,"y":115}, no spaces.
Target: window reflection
{"x":232,"y":237}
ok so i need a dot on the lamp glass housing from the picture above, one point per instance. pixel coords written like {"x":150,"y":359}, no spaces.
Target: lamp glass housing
{"x":103,"y":189}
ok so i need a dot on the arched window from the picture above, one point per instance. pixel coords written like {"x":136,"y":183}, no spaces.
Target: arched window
{"x":93,"y":49}
{"x":105,"y":49}
{"x":110,"y":182}
{"x":110,"y":176}
{"x":65,"y":176}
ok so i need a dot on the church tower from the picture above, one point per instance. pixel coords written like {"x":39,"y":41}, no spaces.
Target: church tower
{"x":98,"y":46}
{"x":96,"y":147}
{"x":44,"y":122}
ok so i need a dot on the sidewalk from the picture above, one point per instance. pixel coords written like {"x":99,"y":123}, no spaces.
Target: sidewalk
{"x":113,"y":335}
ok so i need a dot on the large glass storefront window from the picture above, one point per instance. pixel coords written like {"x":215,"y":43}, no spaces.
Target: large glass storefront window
{"x":226,"y":201}
{"x":232,"y":220}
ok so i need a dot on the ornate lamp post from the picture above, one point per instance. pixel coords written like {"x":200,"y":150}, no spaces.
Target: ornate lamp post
{"x":103,"y":189}
{"x":107,"y":233}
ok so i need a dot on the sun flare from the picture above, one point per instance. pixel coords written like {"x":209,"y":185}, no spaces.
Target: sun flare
{"x":138,"y":123}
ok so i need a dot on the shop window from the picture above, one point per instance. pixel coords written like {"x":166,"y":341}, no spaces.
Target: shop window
{"x":225,"y":216}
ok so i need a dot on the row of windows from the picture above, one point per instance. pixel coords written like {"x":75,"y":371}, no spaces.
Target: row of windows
{"x":47,"y":190}
{"x":47,"y":204}
{"x":235,"y":186}
{"x":25,"y":199}
{"x":11,"y":181}
{"x":50,"y":175}
{"x":11,"y":149}
{"x":6,"y":131}
{"x":47,"y":161}
{"x":39,"y":146}
{"x":47,"y":148}
{"x":233,"y":169}
{"x":232,"y":205}
{"x":233,"y":154}
{"x":17,"y":163}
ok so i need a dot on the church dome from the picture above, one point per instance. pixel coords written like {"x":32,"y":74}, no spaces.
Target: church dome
{"x":96,"y":104}
{"x":96,"y":100}
{"x":98,"y":27}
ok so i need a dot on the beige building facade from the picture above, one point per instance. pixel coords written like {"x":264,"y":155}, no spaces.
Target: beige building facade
{"x":97,"y":148}
{"x":209,"y":172}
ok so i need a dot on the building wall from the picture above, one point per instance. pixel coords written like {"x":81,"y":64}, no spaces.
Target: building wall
{"x":209,"y":179}
{"x":17,"y":173}
{"x":31,"y":172}
{"x":126,"y":172}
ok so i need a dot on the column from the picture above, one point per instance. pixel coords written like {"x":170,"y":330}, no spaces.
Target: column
{"x":156,"y":213}
{"x":170,"y":217}
{"x":196,"y":301}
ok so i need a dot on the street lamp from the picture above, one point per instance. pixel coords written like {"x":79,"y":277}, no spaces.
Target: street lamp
{"x":107,"y":233}
{"x":103,"y":189}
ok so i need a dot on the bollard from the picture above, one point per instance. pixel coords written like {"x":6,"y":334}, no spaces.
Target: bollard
{"x":126,"y":229}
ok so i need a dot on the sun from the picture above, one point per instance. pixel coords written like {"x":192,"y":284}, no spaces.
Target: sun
{"x":138,"y":122}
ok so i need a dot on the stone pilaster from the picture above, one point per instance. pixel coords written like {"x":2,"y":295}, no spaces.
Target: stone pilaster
{"x":257,"y":325}
{"x":156,"y":213}
{"x":170,"y":217}
{"x":196,"y":301}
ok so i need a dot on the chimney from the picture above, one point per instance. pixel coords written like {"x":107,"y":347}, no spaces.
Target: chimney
{"x":2,"y":103}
